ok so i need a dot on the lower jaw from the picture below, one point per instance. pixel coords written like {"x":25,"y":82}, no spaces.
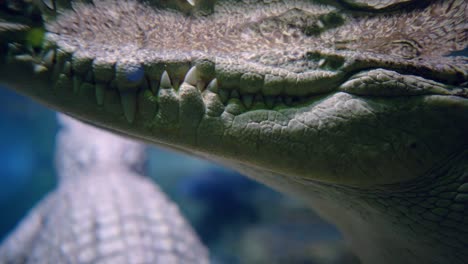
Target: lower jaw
{"x":172,"y":119}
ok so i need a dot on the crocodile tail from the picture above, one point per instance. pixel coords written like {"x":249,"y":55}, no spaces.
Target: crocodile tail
{"x":81,"y":148}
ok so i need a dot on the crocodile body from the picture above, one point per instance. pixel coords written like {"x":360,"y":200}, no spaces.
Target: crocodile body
{"x":358,"y":107}
{"x":104,"y":210}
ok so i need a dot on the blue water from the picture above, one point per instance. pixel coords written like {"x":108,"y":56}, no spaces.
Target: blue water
{"x":26,"y":144}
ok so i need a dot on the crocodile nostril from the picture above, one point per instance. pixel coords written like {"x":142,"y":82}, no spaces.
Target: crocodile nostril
{"x":322,"y":23}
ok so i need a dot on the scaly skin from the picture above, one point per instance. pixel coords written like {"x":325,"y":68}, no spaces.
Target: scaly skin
{"x":104,"y":210}
{"x":359,"y":107}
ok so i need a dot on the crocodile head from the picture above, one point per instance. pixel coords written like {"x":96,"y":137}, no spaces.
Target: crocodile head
{"x":324,"y":99}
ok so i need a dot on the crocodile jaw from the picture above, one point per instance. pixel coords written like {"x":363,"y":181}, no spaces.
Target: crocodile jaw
{"x":356,"y":143}
{"x":335,"y":121}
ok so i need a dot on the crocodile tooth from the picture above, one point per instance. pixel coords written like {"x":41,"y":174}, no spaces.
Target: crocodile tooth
{"x":320,"y":24}
{"x":100,"y":91}
{"x":38,"y":69}
{"x":24,"y":57}
{"x":13,"y":50}
{"x":213,"y":86}
{"x":165,"y":81}
{"x":192,"y":77}
{"x":191,"y":2}
{"x":49,"y":58}
{"x":49,"y":4}
{"x":247,"y":100}
{"x":321,"y":62}
{"x":129,"y":105}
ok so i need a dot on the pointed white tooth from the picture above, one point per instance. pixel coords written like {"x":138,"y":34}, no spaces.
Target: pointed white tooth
{"x":321,"y":62}
{"x":100,"y":91}
{"x":24,"y":57}
{"x":320,"y":24}
{"x":48,"y":58}
{"x":165,"y":81}
{"x":129,"y":105}
{"x":39,"y":68}
{"x":193,"y":76}
{"x":49,"y":4}
{"x":213,"y":86}
{"x":13,"y":48}
{"x":191,"y":2}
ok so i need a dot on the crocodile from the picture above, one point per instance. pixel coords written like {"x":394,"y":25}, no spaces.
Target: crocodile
{"x":104,"y":210}
{"x":360,"y":108}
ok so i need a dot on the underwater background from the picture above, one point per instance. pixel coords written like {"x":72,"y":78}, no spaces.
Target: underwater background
{"x":239,"y":220}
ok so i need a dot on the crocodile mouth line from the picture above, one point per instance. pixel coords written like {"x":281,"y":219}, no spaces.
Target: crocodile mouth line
{"x":135,"y":85}
{"x":130,"y":87}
